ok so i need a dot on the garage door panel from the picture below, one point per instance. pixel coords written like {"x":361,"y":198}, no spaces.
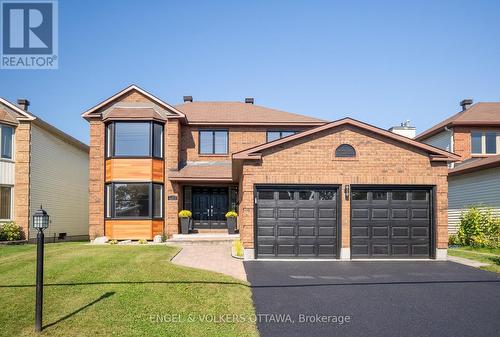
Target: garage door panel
{"x":265,"y":213}
{"x":360,"y":232}
{"x":306,"y":213}
{"x":286,"y":230}
{"x":380,"y":214}
{"x":302,"y":222}
{"x":390,"y":223}
{"x":327,"y":213}
{"x":420,"y":232}
{"x":360,"y":214}
{"x":286,"y":213}
{"x":380,"y":232}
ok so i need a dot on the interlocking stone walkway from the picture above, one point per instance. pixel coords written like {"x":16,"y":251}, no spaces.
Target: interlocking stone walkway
{"x":213,"y":257}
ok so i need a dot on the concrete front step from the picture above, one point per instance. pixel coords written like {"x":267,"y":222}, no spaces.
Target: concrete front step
{"x":203,"y":238}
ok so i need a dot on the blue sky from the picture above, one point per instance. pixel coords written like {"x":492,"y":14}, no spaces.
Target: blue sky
{"x":378,"y":61}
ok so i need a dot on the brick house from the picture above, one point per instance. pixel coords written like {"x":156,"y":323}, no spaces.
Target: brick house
{"x":41,"y":165}
{"x":303,"y":188}
{"x":474,"y":135}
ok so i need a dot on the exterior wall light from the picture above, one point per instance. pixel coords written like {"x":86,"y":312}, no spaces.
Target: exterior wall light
{"x":347,"y":189}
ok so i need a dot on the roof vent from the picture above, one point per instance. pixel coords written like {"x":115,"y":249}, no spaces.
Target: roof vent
{"x":23,"y":104}
{"x":249,"y":100}
{"x":465,"y":103}
{"x":188,"y":99}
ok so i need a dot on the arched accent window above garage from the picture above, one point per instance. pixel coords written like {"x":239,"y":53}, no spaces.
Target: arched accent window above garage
{"x":345,"y":151}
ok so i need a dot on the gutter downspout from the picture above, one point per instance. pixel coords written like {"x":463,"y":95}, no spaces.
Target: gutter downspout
{"x":452,"y":145}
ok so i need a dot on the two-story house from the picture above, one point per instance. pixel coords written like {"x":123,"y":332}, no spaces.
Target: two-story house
{"x":473,"y":134}
{"x":42,"y":165}
{"x":302,"y":187}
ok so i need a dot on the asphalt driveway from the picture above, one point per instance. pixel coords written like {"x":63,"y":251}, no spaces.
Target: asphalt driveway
{"x":374,"y":299}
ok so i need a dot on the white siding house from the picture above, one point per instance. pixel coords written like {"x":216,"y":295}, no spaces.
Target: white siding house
{"x":480,"y":188}
{"x":59,"y":182}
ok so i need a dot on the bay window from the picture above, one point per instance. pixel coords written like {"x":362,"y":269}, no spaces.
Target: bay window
{"x":134,"y":200}
{"x":6,"y":134}
{"x":134,"y":139}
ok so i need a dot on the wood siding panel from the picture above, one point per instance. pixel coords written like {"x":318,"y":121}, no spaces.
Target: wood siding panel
{"x":133,"y":229}
{"x":134,"y":170}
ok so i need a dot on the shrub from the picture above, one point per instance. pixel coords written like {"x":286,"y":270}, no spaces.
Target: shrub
{"x":142,"y":241}
{"x":238,"y":248}
{"x":113,"y":242}
{"x":479,"y":228}
{"x":453,"y":240}
{"x":10,"y":231}
{"x":231,"y":214}
{"x":185,"y":214}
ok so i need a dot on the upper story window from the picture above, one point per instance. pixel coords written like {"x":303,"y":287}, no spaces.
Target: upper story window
{"x":273,"y":135}
{"x":6,"y":134}
{"x":134,"y":139}
{"x":486,"y":142}
{"x":345,"y":151}
{"x":214,"y":142}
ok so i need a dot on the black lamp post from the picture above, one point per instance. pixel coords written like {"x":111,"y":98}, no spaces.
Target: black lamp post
{"x":40,"y":222}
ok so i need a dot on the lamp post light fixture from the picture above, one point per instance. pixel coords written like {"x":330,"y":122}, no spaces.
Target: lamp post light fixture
{"x":40,"y":222}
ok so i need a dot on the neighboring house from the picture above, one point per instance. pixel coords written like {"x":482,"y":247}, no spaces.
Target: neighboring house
{"x":41,"y":165}
{"x":474,"y":135}
{"x":303,"y":188}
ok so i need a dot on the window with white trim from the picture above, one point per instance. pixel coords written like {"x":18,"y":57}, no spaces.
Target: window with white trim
{"x":485,"y":142}
{"x":6,"y":136}
{"x":5,"y":202}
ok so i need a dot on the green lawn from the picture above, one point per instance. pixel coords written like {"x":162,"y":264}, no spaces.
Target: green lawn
{"x":120,"y":291}
{"x":486,"y":255}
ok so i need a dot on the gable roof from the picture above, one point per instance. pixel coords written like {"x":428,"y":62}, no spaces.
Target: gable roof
{"x":28,"y":116}
{"x":23,"y":115}
{"x":479,"y":114}
{"x":435,"y":153}
{"x":476,"y":165}
{"x":93,"y":112}
{"x":234,"y":113}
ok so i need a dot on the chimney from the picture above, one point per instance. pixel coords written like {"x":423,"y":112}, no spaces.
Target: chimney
{"x":188,"y":99}
{"x":465,"y":103}
{"x":249,"y":100}
{"x":405,"y":129}
{"x":23,"y":104}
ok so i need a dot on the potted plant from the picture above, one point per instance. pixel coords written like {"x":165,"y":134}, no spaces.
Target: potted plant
{"x":231,"y":221}
{"x":185,"y":216}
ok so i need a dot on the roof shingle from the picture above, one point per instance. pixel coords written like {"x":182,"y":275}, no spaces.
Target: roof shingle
{"x":483,"y":113}
{"x":241,"y":113}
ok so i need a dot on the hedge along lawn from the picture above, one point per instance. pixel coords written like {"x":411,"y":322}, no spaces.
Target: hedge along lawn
{"x":486,"y":255}
{"x":93,"y":290}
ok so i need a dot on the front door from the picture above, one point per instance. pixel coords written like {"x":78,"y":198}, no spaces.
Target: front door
{"x":210,"y":205}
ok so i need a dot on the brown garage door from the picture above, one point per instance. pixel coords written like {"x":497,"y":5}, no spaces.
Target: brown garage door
{"x":293,"y":221}
{"x":391,"y":222}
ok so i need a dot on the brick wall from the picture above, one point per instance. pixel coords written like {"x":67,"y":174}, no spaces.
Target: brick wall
{"x":311,"y":161}
{"x":462,"y":140}
{"x":96,"y":179}
{"x":22,"y":176}
{"x":240,"y":138}
{"x":172,"y":189}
